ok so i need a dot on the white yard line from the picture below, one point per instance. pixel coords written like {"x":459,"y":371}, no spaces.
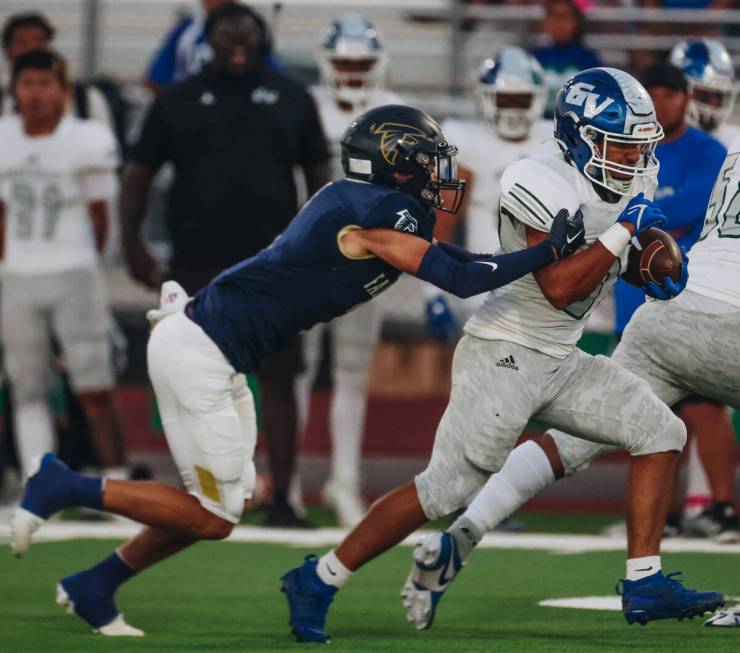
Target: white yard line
{"x":321,"y":537}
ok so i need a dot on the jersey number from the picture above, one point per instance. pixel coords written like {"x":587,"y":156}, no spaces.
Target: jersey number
{"x":24,"y":200}
{"x":726,"y":222}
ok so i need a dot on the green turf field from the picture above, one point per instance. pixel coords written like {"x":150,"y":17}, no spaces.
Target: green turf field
{"x":224,"y":597}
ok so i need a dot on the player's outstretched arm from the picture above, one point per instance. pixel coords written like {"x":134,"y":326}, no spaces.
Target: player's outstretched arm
{"x":442,"y":266}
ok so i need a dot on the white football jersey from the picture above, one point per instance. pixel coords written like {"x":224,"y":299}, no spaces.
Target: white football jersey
{"x":726,"y":134}
{"x":335,"y":120}
{"x":45,"y":185}
{"x":487,"y":155}
{"x":532,"y":192}
{"x":714,"y":261}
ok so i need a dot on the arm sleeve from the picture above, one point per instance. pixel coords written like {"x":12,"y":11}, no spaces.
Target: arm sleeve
{"x":162,"y":69}
{"x":312,"y":148}
{"x":460,"y":254}
{"x":688,"y":206}
{"x":533,"y":194}
{"x":466,"y":279}
{"x":152,"y":149}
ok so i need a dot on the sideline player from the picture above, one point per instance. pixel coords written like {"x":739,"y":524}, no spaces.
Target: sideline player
{"x":349,"y":243}
{"x":57,"y":176}
{"x":352,"y":64}
{"x":518,"y":358}
{"x":511,"y":97}
{"x":682,"y":347}
{"x":710,"y":74}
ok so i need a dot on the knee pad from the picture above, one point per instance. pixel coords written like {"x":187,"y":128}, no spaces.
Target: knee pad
{"x":440,"y":494}
{"x":674,"y":436}
{"x":671,"y":437}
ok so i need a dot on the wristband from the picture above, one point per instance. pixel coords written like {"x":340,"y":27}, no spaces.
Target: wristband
{"x":616,"y":238}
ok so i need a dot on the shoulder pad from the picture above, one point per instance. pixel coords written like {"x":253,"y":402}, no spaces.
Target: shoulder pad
{"x":534,"y":192}
{"x":398,"y":211}
{"x":97,"y":145}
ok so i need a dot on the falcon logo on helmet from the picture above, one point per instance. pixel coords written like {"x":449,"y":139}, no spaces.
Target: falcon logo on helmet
{"x":605,"y":124}
{"x":394,"y":134}
{"x":710,"y":75}
{"x":404,"y":148}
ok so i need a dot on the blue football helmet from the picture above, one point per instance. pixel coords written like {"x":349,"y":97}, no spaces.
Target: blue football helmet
{"x":710,"y":75}
{"x":511,"y":92}
{"x":351,"y":59}
{"x":600,"y":113}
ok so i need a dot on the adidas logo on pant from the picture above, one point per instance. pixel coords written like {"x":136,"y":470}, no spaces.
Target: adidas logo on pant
{"x":508,"y":362}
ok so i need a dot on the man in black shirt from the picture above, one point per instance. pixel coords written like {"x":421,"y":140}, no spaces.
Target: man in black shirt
{"x":234,"y":133}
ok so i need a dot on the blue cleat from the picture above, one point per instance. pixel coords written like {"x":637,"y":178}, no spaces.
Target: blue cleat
{"x":309,"y":599}
{"x":663,"y":597}
{"x":92,"y":602}
{"x":436,"y":563}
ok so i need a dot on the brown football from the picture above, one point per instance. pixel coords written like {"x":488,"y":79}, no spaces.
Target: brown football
{"x":657,"y":256}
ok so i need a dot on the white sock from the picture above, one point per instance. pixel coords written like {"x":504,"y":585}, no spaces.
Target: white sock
{"x":331,"y":570}
{"x":638,"y":568}
{"x":347,"y":426}
{"x":34,"y":433}
{"x":526,"y":472}
{"x":116,"y":473}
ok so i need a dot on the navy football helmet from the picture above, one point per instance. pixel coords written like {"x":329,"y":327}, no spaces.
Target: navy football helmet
{"x":511,"y":92}
{"x":710,"y":74}
{"x":600,"y":114}
{"x":351,"y":59}
{"x":404,"y":148}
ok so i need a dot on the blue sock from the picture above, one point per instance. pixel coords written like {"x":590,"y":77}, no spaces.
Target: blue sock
{"x":110,"y":573}
{"x":86,"y":491}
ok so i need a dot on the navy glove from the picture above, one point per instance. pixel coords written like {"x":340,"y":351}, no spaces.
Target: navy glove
{"x":672,"y":288}
{"x":642,"y":214}
{"x":441,"y":321}
{"x":567,"y":233}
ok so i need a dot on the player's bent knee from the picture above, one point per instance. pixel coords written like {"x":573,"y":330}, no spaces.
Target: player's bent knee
{"x":439,"y":495}
{"x":214,"y":528}
{"x":671,"y":437}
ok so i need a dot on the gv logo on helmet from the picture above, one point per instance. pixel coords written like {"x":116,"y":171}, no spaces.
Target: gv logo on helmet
{"x":393,"y":134}
{"x":580,"y":95}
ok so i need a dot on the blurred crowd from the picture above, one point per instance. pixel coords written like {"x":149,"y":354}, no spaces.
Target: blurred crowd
{"x":232,"y":159}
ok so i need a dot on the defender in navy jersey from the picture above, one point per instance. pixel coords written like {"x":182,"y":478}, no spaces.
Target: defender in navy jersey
{"x":349,"y":243}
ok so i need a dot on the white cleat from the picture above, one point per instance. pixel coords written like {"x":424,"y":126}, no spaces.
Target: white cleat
{"x":728,"y":618}
{"x":22,"y":527}
{"x":436,"y":563}
{"x":346,"y":501}
{"x":116,"y":628}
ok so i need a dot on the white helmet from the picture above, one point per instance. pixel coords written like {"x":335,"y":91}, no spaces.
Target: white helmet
{"x":351,"y":60}
{"x":511,"y":92}
{"x":710,"y":75}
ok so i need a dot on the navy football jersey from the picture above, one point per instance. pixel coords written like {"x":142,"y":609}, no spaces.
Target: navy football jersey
{"x":255,"y":307}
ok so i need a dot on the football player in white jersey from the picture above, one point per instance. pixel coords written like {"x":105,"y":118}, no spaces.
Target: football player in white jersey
{"x":511,"y":96}
{"x":518,"y":360}
{"x":681,"y":348}
{"x":57,"y":175}
{"x":352,"y":64}
{"x":710,"y":73}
